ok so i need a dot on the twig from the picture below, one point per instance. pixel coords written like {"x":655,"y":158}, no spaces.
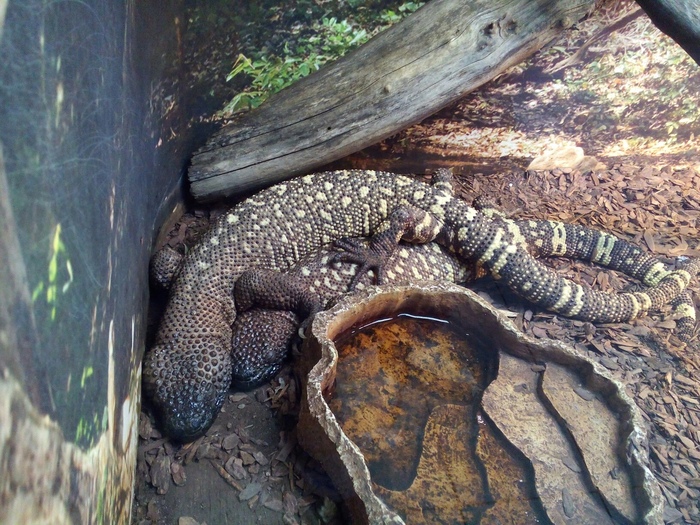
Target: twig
{"x":578,"y":55}
{"x":227,"y":477}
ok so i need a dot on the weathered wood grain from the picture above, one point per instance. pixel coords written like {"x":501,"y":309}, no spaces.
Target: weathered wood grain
{"x":435,"y":56}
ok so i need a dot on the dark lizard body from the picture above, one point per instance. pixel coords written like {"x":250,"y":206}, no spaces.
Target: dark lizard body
{"x":188,"y":371}
{"x":277,"y":304}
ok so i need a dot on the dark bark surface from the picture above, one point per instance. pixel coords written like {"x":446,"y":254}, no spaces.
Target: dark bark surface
{"x":17,"y":330}
{"x":679,"y":19}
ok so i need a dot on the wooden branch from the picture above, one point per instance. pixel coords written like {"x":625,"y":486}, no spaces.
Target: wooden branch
{"x":3,"y":9}
{"x":434,"y":57}
{"x":577,"y":57}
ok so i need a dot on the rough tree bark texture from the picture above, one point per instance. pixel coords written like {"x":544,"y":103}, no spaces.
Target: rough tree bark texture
{"x":17,"y":335}
{"x":679,"y":19}
{"x":435,"y":56}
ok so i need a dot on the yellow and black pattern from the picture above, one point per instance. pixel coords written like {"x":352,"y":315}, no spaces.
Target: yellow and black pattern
{"x":187,"y":372}
{"x":556,"y":239}
{"x":503,"y":247}
{"x":548,"y":290}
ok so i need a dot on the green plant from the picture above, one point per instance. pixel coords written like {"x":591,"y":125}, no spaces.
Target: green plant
{"x":327,"y":40}
{"x":268,"y":76}
{"x":331,"y":39}
{"x":389,"y":16}
{"x":87,"y":372}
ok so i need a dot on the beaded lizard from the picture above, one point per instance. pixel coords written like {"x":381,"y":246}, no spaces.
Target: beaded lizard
{"x":187,"y":373}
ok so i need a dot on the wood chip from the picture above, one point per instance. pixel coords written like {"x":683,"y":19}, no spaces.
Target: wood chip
{"x":227,"y":477}
{"x":160,"y":474}
{"x":178,"y":473}
{"x":274,"y":504}
{"x":260,"y":458}
{"x":234,"y":466}
{"x":249,"y":491}
{"x":247,"y":457}
{"x":290,"y":503}
{"x":230,"y":442}
{"x":688,"y":443}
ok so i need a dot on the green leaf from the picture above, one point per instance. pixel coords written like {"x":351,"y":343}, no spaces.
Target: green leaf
{"x":51,"y":294}
{"x":87,"y":373}
{"x":37,"y":291}
{"x":53,"y":268}
{"x":57,"y":239}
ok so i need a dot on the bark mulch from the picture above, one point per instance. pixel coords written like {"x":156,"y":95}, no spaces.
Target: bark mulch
{"x":652,"y":202}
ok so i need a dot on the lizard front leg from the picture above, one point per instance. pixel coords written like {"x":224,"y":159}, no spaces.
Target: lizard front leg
{"x":406,"y":224}
{"x":272,"y":308}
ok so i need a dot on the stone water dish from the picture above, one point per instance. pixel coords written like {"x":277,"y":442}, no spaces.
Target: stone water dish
{"x":555,"y":438}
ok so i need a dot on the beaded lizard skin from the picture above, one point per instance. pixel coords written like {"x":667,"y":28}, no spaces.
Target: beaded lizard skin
{"x":272,"y":306}
{"x":188,"y":371}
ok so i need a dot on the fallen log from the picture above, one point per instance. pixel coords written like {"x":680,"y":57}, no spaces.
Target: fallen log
{"x":437,"y":55}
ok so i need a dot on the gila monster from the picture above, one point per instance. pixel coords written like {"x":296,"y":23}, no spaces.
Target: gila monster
{"x":188,"y":371}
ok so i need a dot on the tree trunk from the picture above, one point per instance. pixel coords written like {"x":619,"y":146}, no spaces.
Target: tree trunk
{"x":679,"y":19}
{"x":18,"y":338}
{"x":437,"y":55}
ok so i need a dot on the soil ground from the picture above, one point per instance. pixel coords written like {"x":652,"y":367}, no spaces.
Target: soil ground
{"x":644,"y":187}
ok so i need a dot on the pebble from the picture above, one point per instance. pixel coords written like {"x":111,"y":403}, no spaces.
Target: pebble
{"x":571,"y":464}
{"x":583,"y":393}
{"x":567,"y":503}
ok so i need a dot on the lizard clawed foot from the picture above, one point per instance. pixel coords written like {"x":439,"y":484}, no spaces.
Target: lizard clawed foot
{"x":367,"y":256}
